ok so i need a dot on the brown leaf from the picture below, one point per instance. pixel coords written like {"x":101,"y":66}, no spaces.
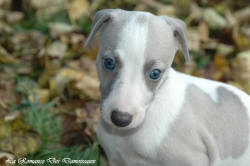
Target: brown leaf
{"x":6,"y":58}
{"x":7,"y":96}
{"x":193,"y":37}
{"x":73,"y":132}
{"x":219,"y":67}
{"x":5,"y":156}
{"x":57,"y":29}
{"x":89,"y":87}
{"x":89,"y":66}
{"x":214,"y":20}
{"x":14,"y":17}
{"x":203,"y":31}
{"x":243,"y":15}
{"x":241,"y":66}
{"x":16,"y":136}
{"x":57,"y":49}
{"x":89,"y":115}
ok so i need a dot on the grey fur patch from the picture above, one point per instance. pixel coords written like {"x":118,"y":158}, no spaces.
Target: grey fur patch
{"x":226,"y":120}
{"x":148,"y":67}
{"x":206,"y":130}
{"x":110,"y":77}
{"x":183,"y":145}
{"x":108,"y":41}
{"x":179,"y":27}
{"x":229,"y":124}
{"x":156,"y":52}
{"x":110,"y":37}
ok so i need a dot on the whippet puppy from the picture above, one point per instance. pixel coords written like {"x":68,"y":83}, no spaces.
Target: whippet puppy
{"x":152,"y":115}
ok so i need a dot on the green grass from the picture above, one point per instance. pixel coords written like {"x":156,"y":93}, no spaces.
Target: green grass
{"x":30,"y":21}
{"x":74,"y":153}
{"x":48,"y":125}
{"x":44,"y":122}
{"x":200,"y":61}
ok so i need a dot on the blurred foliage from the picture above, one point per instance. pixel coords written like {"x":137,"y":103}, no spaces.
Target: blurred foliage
{"x":49,"y":98}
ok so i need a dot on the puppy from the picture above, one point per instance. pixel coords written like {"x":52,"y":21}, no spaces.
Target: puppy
{"x":152,"y":115}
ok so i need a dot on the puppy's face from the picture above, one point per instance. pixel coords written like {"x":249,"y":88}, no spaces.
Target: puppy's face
{"x":136,"y":49}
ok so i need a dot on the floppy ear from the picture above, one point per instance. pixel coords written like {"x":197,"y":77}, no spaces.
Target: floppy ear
{"x":101,"y":17}
{"x":179,"y":28}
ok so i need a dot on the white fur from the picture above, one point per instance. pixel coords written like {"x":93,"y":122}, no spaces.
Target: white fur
{"x":158,"y":120}
{"x":210,"y":87}
{"x":130,"y":94}
{"x":155,"y":127}
{"x":125,"y":97}
{"x":147,"y":140}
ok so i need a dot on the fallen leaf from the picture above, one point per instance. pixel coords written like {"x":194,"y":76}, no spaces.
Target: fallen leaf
{"x":7,"y":96}
{"x":49,"y":8}
{"x":193,"y":39}
{"x":5,"y":27}
{"x":89,"y":66}
{"x":89,"y":87}
{"x":196,"y":13}
{"x":243,"y":15}
{"x":241,"y":66}
{"x":14,"y":17}
{"x":40,"y":3}
{"x":203,"y":31}
{"x":225,"y":49}
{"x":219,"y":67}
{"x":39,"y":95}
{"x":73,"y":132}
{"x":182,"y":7}
{"x":77,"y":9}
{"x":214,"y":20}
{"x":6,"y":58}
{"x":168,"y":10}
{"x":64,"y":77}
{"x":57,"y":49}
{"x":242,"y":42}
{"x":59,"y":28}
{"x":16,"y":136}
{"x":5,"y":156}
{"x":241,"y":70}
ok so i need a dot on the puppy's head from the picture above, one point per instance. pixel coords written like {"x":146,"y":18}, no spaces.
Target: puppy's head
{"x":136,"y":50}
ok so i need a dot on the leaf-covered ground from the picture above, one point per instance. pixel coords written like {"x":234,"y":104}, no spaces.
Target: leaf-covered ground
{"x":49,"y":98}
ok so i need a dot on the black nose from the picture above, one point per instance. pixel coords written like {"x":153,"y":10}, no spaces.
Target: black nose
{"x":121,"y":119}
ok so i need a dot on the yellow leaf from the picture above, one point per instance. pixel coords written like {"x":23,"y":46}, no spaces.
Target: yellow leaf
{"x":78,"y":8}
{"x":220,"y":67}
{"x":5,"y":57}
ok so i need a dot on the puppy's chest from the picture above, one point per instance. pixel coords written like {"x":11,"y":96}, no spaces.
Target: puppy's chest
{"x":129,"y":150}
{"x":141,"y":149}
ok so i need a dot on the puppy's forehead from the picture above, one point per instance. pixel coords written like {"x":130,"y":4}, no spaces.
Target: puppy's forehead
{"x":133,"y":36}
{"x":138,"y":38}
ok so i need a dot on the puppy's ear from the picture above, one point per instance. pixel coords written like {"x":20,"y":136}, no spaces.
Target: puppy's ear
{"x":101,"y":17}
{"x":179,"y":30}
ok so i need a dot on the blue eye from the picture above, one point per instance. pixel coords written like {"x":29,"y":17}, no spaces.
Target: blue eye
{"x":155,"y":74}
{"x":109,"y":63}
